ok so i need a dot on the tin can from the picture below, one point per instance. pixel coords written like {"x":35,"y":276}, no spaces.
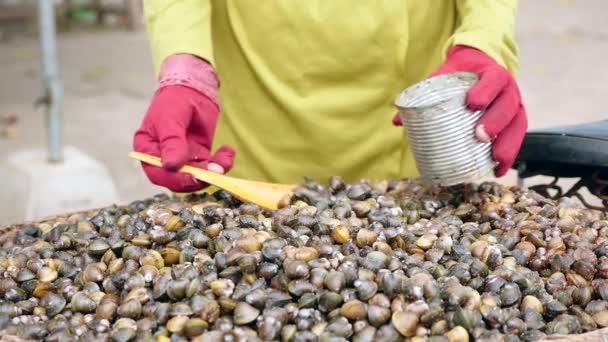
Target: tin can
{"x":441,"y":130}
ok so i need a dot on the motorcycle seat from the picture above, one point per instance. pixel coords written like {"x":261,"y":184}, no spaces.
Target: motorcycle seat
{"x":564,"y":151}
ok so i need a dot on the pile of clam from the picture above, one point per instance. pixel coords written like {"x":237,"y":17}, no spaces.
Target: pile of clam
{"x":369,"y":261}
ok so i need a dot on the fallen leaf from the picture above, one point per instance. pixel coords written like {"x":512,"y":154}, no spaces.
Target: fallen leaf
{"x":10,"y":132}
{"x":25,"y":53}
{"x":131,"y":76}
{"x":95,"y":74}
{"x":540,"y":69}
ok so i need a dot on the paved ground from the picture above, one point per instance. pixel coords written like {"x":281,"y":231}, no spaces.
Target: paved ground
{"x":108,"y":81}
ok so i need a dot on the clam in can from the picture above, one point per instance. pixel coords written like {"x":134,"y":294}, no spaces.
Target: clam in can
{"x":441,"y":130}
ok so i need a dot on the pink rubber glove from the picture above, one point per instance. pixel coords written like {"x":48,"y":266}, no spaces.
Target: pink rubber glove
{"x":180,"y":123}
{"x":504,"y":121}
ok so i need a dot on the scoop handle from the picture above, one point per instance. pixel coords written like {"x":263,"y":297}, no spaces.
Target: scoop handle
{"x":200,"y":174}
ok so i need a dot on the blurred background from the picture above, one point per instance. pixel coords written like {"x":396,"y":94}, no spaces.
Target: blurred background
{"x":107,"y":76}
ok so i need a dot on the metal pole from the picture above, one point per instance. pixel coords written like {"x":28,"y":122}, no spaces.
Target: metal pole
{"x":50,"y":78}
{"x":521,"y":168}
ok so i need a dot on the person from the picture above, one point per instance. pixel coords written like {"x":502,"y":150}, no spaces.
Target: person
{"x":307,"y":88}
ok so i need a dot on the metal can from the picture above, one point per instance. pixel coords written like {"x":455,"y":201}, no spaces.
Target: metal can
{"x":441,"y":130}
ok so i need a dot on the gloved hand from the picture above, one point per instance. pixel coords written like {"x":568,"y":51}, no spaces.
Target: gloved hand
{"x":179,"y":127}
{"x":504,"y":121}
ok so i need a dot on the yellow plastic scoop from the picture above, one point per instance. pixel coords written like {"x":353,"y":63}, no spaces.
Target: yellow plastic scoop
{"x":266,"y":195}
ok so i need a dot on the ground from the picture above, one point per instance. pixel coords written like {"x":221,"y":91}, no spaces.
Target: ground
{"x":108,"y":81}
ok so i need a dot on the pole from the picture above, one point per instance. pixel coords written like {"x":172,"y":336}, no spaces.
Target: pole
{"x":51,"y":80}
{"x":521,"y":168}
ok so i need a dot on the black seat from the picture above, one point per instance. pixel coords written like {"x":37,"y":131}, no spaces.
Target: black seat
{"x":566,"y":151}
{"x":575,"y":151}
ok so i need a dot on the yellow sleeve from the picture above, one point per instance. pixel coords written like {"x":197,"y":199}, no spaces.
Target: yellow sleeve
{"x":178,"y":26}
{"x":488,"y":25}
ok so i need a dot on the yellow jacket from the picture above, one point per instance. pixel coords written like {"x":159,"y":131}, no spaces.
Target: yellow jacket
{"x":307,"y":87}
